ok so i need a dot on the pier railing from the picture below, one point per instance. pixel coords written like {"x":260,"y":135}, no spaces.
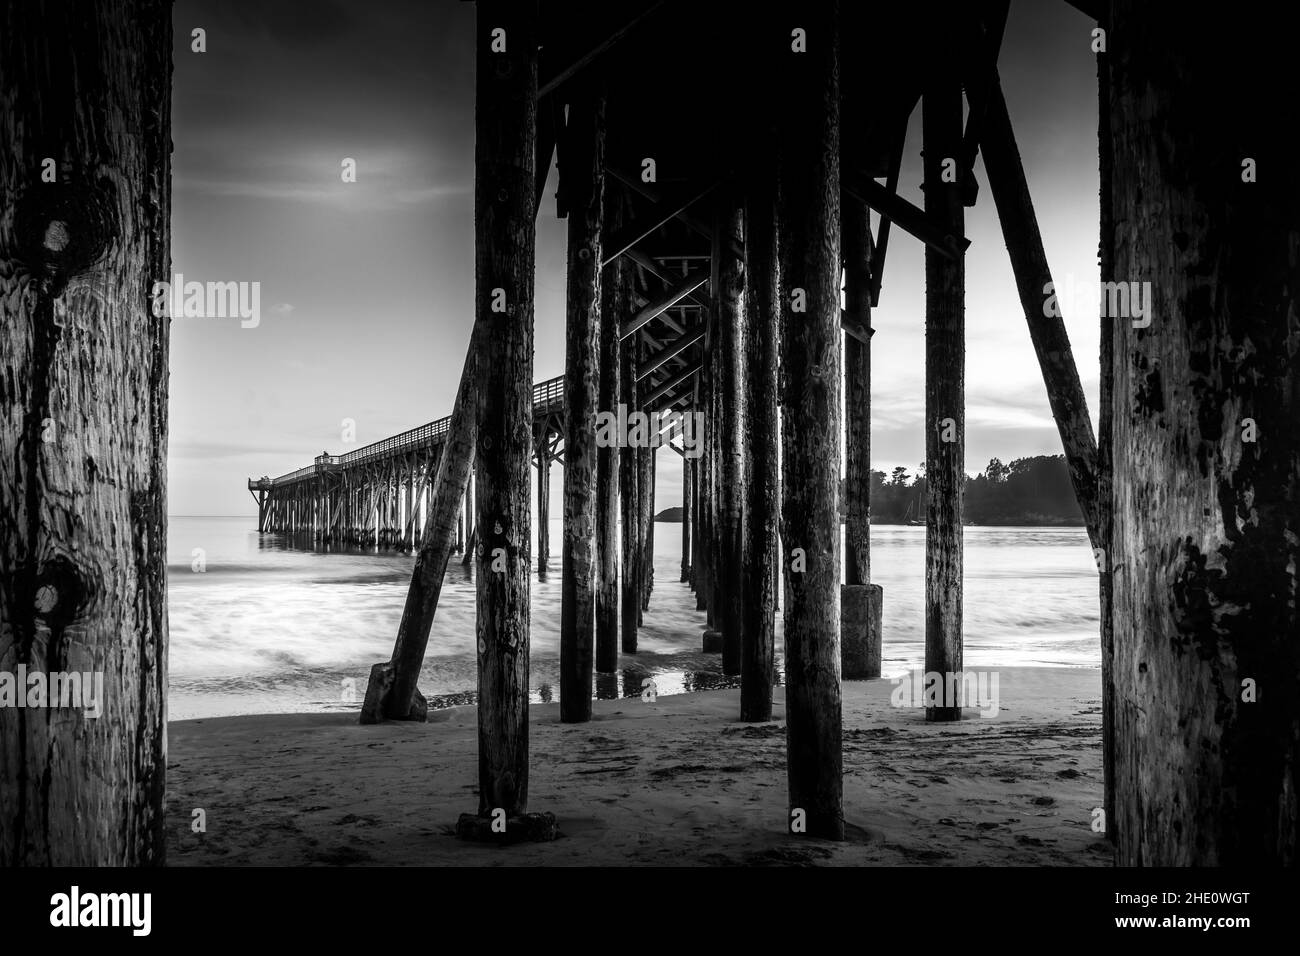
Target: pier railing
{"x":548,"y":399}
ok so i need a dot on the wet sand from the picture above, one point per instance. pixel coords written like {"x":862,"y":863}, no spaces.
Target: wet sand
{"x":679,"y":781}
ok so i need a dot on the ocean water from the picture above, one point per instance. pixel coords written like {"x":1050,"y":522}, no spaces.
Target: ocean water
{"x":269,"y":628}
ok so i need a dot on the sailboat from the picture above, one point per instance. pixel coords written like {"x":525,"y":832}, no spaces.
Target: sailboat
{"x":907,"y":515}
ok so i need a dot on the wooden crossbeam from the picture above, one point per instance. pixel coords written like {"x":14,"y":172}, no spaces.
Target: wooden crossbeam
{"x":855,"y":328}
{"x":415,"y":501}
{"x":671,"y":350}
{"x":546,"y":144}
{"x":672,"y":323}
{"x":1089,"y":8}
{"x":887,"y":203}
{"x":667,"y":300}
{"x":983,"y":70}
{"x":338,"y":508}
{"x":881,"y":246}
{"x":638,"y":230}
{"x":659,"y":271}
{"x":680,"y":378}
{"x":1019,"y":223}
{"x":665,"y":318}
{"x":671,"y":403}
{"x":648,"y":190}
{"x":553,"y":83}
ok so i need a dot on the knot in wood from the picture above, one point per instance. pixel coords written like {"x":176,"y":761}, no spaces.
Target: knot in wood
{"x":63,"y":591}
{"x":46,"y":597}
{"x":62,"y":229}
{"x":56,"y":236}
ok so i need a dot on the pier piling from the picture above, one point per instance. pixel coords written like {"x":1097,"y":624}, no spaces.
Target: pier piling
{"x":687,"y":521}
{"x":505,"y":254}
{"x":729,"y":425}
{"x":582,"y":180}
{"x":1201,"y":389}
{"x":629,"y":472}
{"x":945,"y":401}
{"x":761,"y":491}
{"x":809,"y":244}
{"x":542,"y":444}
{"x":615,"y":305}
{"x":860,"y":600}
{"x":83,"y":450}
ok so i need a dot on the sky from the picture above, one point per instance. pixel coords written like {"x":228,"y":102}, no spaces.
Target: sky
{"x":367,"y":288}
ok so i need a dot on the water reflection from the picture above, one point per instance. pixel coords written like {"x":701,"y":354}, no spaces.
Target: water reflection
{"x":624,"y":684}
{"x":277,"y":623}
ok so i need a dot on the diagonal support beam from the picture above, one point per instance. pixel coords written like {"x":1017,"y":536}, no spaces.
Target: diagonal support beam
{"x":679,"y":379}
{"x":882,"y":237}
{"x":983,"y":68}
{"x":659,"y":271}
{"x":546,"y":145}
{"x":648,"y":190}
{"x":1089,"y":8}
{"x":670,"y":351}
{"x":638,"y":230}
{"x":855,"y":328}
{"x":888,"y":203}
{"x":666,"y":301}
{"x":1034,"y":281}
{"x":553,"y":83}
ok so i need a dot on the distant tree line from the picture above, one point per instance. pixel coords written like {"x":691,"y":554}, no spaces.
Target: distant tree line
{"x":1029,"y":491}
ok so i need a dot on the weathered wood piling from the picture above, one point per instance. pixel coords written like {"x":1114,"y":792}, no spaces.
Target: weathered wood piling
{"x":392,"y":692}
{"x":808,"y":226}
{"x":582,"y":180}
{"x":629,"y":484}
{"x":761,"y":491}
{"x":730,"y":226}
{"x":1201,"y":217}
{"x":543,"y":458}
{"x":83,"y":393}
{"x":945,"y":384}
{"x":860,"y":600}
{"x":687,"y":519}
{"x":615,"y":304}
{"x":505,"y":254}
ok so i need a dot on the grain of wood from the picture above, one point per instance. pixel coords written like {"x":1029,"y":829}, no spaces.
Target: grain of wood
{"x":83,"y":396}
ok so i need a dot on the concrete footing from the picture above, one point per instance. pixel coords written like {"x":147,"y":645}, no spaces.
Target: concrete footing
{"x":531,"y":827}
{"x":860,"y":635}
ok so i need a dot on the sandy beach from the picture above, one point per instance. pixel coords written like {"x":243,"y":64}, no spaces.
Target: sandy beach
{"x":679,"y":781}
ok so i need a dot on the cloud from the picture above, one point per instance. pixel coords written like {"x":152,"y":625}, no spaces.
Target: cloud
{"x":367,"y":195}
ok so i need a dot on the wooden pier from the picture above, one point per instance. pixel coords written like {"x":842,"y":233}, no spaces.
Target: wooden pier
{"x":728,"y":170}
{"x":379,"y":495}
{"x":708,"y":249}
